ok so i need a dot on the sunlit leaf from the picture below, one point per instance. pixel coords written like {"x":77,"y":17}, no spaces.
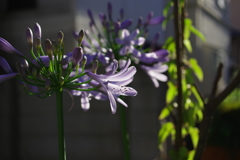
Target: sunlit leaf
{"x":198,"y":33}
{"x":191,"y":154}
{"x":171,"y":92}
{"x":168,"y":41}
{"x":199,"y":114}
{"x":167,"y":7}
{"x":164,"y":132}
{"x":198,"y":97}
{"x":172,"y":69}
{"x":196,"y":68}
{"x":194,"y":133}
{"x":165,"y":112}
{"x":187,"y":28}
{"x":188,"y":45}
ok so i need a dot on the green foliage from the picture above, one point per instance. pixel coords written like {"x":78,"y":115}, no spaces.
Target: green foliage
{"x":164,"y":132}
{"x":165,"y":112}
{"x":193,"y":103}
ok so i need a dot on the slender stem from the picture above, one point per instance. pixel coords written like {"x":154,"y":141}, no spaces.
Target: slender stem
{"x":179,"y":50}
{"x":61,"y":140}
{"x":125,"y":136}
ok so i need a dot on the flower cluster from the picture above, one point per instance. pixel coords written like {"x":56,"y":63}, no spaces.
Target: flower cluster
{"x":114,"y":40}
{"x":53,"y":71}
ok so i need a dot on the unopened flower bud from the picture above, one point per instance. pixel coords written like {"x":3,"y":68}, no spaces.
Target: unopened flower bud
{"x":90,"y":16}
{"x":49,"y":48}
{"x":109,"y":9}
{"x":60,"y":37}
{"x":38,"y":43}
{"x":25,"y":65}
{"x":126,"y":23}
{"x":80,"y":37}
{"x":48,"y":84}
{"x":21,"y":70}
{"x":95,"y":66}
{"x":77,"y":56}
{"x":38,"y":31}
{"x":29,"y":35}
{"x":116,"y":27}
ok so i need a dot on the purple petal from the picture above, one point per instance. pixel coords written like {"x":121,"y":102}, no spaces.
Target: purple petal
{"x":119,"y":41}
{"x":90,"y":15}
{"x":134,"y":34}
{"x":5,"y":77}
{"x":139,"y":41}
{"x":126,"y":23}
{"x":4,"y":64}
{"x":124,"y":76}
{"x":121,"y":101}
{"x":125,"y":33}
{"x":98,"y":95}
{"x":156,"y":20}
{"x":7,"y":47}
{"x":85,"y":101}
{"x":136,"y":53}
{"x":77,"y":56}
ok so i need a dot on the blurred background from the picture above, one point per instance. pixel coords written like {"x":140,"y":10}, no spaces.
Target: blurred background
{"x":28,"y":126}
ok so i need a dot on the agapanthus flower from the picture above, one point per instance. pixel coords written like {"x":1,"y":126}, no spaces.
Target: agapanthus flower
{"x":155,"y":72}
{"x":129,"y":41}
{"x":53,"y":71}
{"x":114,"y":84}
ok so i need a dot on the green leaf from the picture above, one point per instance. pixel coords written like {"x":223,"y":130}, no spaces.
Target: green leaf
{"x":165,"y":112}
{"x":182,"y":154}
{"x":198,"y":97}
{"x":188,"y":45}
{"x":194,"y":133}
{"x":199,"y":114}
{"x":189,"y":76}
{"x":187,"y":28}
{"x":188,"y":116}
{"x":167,"y":7}
{"x":164,"y":132}
{"x":191,"y":154}
{"x":165,"y":21}
{"x":172,"y":69}
{"x":167,"y":42}
{"x":196,"y":68}
{"x":198,"y":33}
{"x":171,"y":92}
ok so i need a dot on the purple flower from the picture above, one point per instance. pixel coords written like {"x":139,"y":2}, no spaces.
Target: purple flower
{"x":128,"y":40}
{"x":7,"y":47}
{"x":114,"y":84}
{"x":125,"y":24}
{"x":155,"y":73}
{"x":154,"y":57}
{"x":86,"y":95}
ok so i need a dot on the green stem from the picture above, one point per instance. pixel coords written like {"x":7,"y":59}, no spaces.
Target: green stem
{"x":61,"y":141}
{"x":125,"y":136}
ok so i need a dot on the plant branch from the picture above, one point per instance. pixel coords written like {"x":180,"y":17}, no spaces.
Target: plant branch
{"x":179,"y":49}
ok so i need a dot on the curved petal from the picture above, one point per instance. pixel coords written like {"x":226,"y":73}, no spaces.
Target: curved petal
{"x":119,"y":41}
{"x":5,"y":77}
{"x":124,"y":76}
{"x":134,"y":34}
{"x":4,"y":64}
{"x":7,"y":47}
{"x":156,"y":20}
{"x":98,"y":95}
